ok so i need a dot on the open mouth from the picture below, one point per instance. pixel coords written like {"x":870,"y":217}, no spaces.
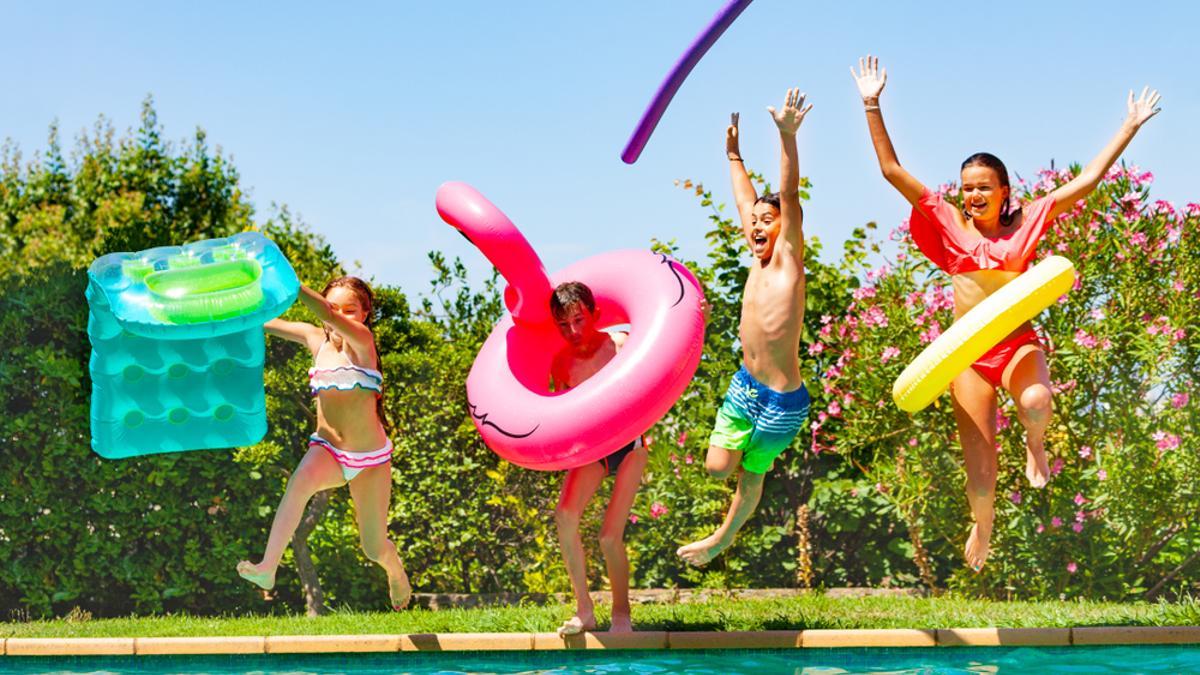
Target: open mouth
{"x":760,"y":241}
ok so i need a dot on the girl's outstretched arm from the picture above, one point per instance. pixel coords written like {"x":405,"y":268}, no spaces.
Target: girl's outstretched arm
{"x":1082,"y":185}
{"x":870,"y":80}
{"x":296,"y":331}
{"x":744,"y":194}
{"x":791,"y":218}
{"x":356,"y":333}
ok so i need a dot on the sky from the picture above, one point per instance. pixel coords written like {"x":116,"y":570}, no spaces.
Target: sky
{"x":353,"y":114}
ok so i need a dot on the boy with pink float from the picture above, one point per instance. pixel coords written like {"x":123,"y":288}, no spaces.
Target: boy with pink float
{"x":588,"y":350}
{"x":767,"y":401}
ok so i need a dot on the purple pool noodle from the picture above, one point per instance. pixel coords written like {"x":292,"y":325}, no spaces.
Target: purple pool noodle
{"x":666,"y":91}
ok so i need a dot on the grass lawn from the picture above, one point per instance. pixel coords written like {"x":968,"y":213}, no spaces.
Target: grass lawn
{"x":811,"y":611}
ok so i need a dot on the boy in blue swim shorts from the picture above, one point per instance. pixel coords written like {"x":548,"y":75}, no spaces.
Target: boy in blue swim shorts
{"x":767,"y":402}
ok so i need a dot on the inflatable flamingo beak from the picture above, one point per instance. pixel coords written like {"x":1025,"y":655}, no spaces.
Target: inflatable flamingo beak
{"x":528,"y":294}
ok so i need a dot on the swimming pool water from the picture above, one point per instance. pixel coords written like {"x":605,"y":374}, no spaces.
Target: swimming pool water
{"x":1123,"y":659}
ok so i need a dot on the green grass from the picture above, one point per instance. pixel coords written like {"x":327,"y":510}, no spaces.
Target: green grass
{"x":812,"y":611}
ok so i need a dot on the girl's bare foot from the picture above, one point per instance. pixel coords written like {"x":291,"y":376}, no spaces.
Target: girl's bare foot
{"x":702,"y":552}
{"x":399,"y":590}
{"x":255,"y":574}
{"x":621,"y":623}
{"x":577,"y":624}
{"x":978,"y":546}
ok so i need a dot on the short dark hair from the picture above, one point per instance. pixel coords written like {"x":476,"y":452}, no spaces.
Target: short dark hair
{"x":772,"y":198}
{"x":569,"y":293}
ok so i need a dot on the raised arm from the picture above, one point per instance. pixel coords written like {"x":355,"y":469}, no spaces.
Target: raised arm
{"x":296,"y":331}
{"x":1080,"y":186}
{"x":744,"y":194}
{"x":870,"y":80}
{"x":791,"y":217}
{"x":357,"y":334}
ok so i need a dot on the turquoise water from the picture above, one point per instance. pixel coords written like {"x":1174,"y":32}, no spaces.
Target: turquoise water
{"x":1142,"y":659}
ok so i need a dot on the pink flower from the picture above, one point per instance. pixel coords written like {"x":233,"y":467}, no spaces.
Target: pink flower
{"x":673,"y":457}
{"x":633,"y":518}
{"x":1079,"y":498}
{"x":1085,"y":451}
{"x":1040,"y":528}
{"x":1057,"y":467}
{"x":1015,"y":497}
{"x":816,"y":348}
{"x":1102,"y":474}
{"x":1072,"y":567}
{"x":1056,"y":522}
{"x":1097,"y":314}
{"x":1165,"y":441}
{"x":863,"y":292}
{"x":1083,"y":339}
{"x":1177,"y":286}
{"x":682,"y":439}
{"x":657,"y":510}
{"x":835,"y":409}
{"x":912,"y":442}
{"x":931,"y":334}
{"x":687,"y":459}
{"x":1179,"y":400}
{"x":1078,"y":527}
{"x":1080,"y":516}
{"x":888,"y":354}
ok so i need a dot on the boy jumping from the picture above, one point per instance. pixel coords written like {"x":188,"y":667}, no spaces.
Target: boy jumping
{"x":767,"y":401}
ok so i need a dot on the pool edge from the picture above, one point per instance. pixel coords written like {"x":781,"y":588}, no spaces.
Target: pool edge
{"x":659,"y":640}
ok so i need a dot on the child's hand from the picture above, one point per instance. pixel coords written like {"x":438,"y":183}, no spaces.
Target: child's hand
{"x":731,"y":138}
{"x":1143,"y":108}
{"x":870,"y":79}
{"x":788,"y":120}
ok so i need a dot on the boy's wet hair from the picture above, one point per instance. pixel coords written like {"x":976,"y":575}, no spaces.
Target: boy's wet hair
{"x":772,"y":198}
{"x":569,"y":293}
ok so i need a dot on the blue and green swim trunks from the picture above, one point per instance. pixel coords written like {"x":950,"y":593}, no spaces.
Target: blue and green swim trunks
{"x":758,"y":421}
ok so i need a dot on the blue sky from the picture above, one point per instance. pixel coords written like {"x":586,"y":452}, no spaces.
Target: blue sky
{"x":353,"y":115}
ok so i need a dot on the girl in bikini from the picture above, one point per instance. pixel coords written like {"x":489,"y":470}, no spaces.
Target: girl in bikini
{"x":350,"y":445}
{"x":982,"y":247}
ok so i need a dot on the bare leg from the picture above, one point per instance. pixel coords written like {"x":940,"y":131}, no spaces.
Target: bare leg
{"x":371,"y":491}
{"x":578,"y":488}
{"x":975,"y":409}
{"x":612,"y":536}
{"x":720,"y":463}
{"x":1027,"y":380}
{"x":317,"y":471}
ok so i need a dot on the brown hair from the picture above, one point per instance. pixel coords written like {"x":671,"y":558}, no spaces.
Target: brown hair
{"x":367,"y":299}
{"x":569,"y":293}
{"x":772,"y":198}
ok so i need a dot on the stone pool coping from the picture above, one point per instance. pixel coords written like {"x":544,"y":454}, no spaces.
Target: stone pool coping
{"x":448,"y":642}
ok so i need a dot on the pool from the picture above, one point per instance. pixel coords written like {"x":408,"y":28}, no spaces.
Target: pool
{"x":1116,"y":659}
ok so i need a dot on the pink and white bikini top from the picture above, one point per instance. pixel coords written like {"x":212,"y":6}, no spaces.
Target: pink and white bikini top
{"x":345,"y":377}
{"x":935,"y":230}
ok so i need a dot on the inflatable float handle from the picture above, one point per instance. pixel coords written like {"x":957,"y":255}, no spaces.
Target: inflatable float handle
{"x":528,"y":293}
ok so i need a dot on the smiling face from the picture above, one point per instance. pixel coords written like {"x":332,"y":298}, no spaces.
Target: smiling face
{"x":763,"y":230}
{"x":984,"y":194}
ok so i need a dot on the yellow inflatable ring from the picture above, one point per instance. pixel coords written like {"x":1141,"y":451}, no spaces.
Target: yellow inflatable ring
{"x":981,"y":329}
